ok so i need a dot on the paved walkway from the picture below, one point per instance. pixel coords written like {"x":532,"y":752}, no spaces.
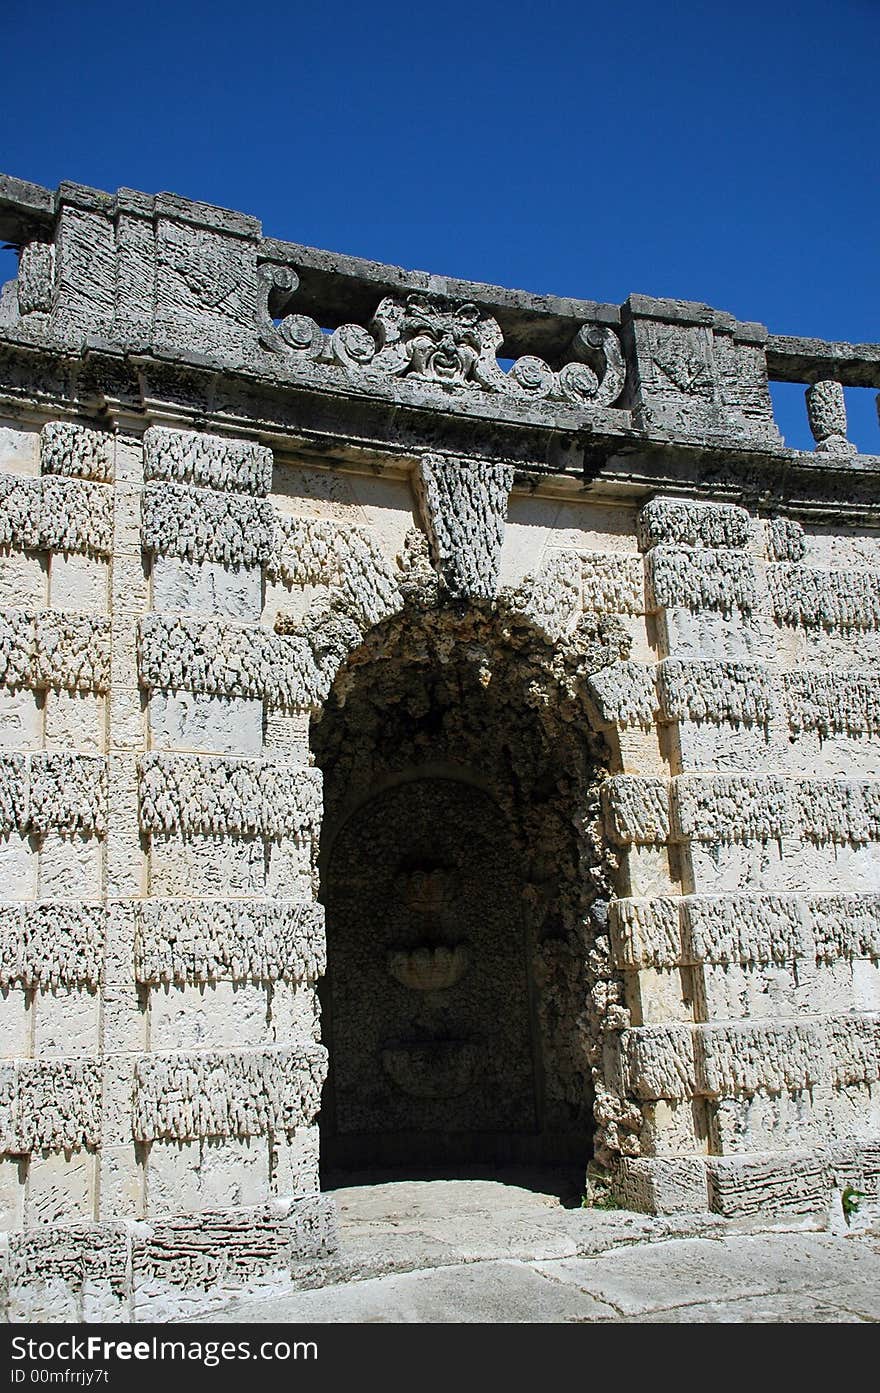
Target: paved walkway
{"x":480,"y":1250}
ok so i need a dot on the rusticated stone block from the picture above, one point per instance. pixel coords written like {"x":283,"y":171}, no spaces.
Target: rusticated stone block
{"x":714,"y":690}
{"x":52,"y":944}
{"x":845,"y":926}
{"x":214,"y":1093}
{"x":700,"y":578}
{"x":76,"y":451}
{"x":314,"y":551}
{"x":745,"y":928}
{"x":659,"y":1061}
{"x":645,"y":932}
{"x":204,"y":525}
{"x":732,"y":807}
{"x":185,"y":941}
{"x":683,"y":522}
{"x":55,"y":514}
{"x":814,"y":599}
{"x":61,"y":792}
{"x":612,"y":582}
{"x":69,"y":1272}
{"x":637,"y":808}
{"x":464,"y":508}
{"x":52,"y":649}
{"x":739,"y":1059}
{"x":832,"y":702}
{"x":625,"y":693}
{"x":208,"y":461}
{"x":57,"y":1105}
{"x":660,"y":1185}
{"x":781,"y":1182}
{"x":785,"y":540}
{"x":237,"y":797}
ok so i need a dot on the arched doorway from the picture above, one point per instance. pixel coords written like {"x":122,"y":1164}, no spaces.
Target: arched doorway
{"x":464,"y":876}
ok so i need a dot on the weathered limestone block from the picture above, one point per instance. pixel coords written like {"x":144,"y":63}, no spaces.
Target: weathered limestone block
{"x":52,"y":944}
{"x":201,"y":724}
{"x":612,"y":582}
{"x":68,"y":793}
{"x":659,"y":1062}
{"x":208,"y":461}
{"x":637,"y":808}
{"x":213,"y":1093}
{"x":57,"y":1105}
{"x":700,"y":578}
{"x":845,"y":926}
{"x":854,"y":1049}
{"x":683,"y":522}
{"x":237,"y":797}
{"x":661,"y":1185}
{"x":194,"y":941}
{"x":712,"y":690}
{"x":463,"y":504}
{"x":742,"y":1058}
{"x":76,"y":451}
{"x":53,"y":792}
{"x":198,"y":524}
{"x":745,"y":928}
{"x":785,"y":540}
{"x":839,"y":810}
{"x":625,"y":693}
{"x":553,"y":597}
{"x":788,"y":1183}
{"x":53,"y":649}
{"x":69,"y":1272}
{"x":813,"y":598}
{"x":314,"y":551}
{"x":36,"y":277}
{"x":645,"y":932}
{"x":292,"y":671}
{"x":207,"y":588}
{"x":732,"y":807}
{"x":221,"y":1251}
{"x":832,"y":702}
{"x":55,"y":514}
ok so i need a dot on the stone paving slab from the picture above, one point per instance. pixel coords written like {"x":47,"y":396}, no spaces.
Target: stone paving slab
{"x":466,"y":1251}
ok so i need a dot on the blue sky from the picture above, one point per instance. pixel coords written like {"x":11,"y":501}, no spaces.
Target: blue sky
{"x":723,"y":153}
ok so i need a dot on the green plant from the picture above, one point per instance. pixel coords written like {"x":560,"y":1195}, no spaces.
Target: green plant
{"x":849,"y":1199}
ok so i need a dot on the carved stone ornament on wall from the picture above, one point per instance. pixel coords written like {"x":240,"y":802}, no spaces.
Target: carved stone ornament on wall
{"x":445,"y":343}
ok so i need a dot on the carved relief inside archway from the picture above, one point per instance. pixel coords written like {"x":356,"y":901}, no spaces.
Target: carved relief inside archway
{"x":465,"y":880}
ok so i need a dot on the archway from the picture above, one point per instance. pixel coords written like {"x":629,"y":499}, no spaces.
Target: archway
{"x":465,"y":879}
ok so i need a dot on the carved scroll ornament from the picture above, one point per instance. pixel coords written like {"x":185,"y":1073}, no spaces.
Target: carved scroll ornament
{"x":446,"y":344}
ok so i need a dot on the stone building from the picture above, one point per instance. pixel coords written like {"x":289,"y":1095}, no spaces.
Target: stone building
{"x":551,"y":679}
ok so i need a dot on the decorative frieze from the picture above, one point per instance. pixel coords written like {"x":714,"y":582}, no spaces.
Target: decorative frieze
{"x":209,"y":795}
{"x":197,"y":524}
{"x":225,"y":1093}
{"x":76,"y":451}
{"x":52,"y":649}
{"x":208,"y":461}
{"x":732,"y":807}
{"x":53,"y":943}
{"x":56,"y":514}
{"x":682,"y":522}
{"x":713,"y":690}
{"x":53,"y":792}
{"x":814,"y":599}
{"x":49,"y":1105}
{"x":833,"y":702}
{"x":637,"y":808}
{"x":700,"y":578}
{"x":194,"y":941}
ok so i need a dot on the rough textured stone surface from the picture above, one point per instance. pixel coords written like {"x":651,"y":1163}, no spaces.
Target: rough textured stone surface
{"x":229,"y":940}
{"x":555,"y":684}
{"x":55,"y":514}
{"x":76,"y":451}
{"x":208,"y":461}
{"x":245,"y":1093}
{"x":239,"y":797}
